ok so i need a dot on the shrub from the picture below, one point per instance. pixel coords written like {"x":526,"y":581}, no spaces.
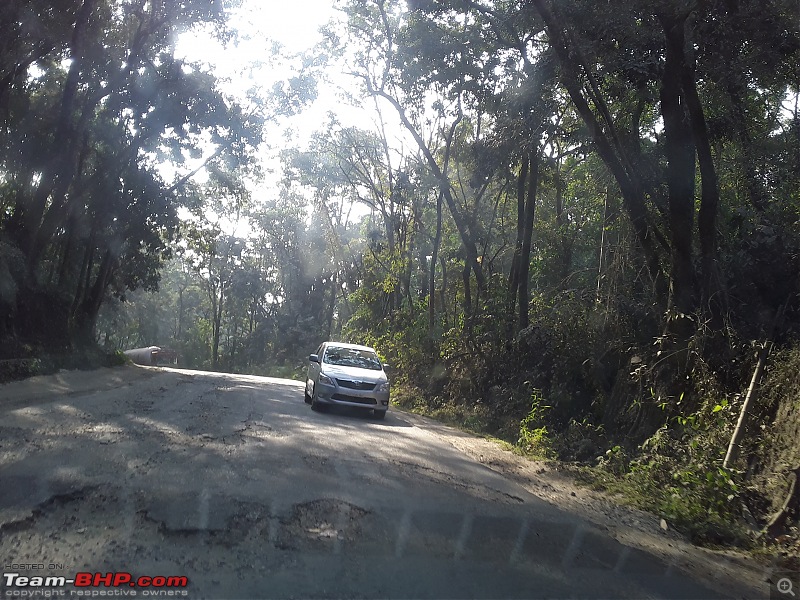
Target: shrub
{"x":534,"y":436}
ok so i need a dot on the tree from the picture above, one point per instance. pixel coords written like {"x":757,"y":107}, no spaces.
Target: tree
{"x":386,"y":81}
{"x":94,"y":100}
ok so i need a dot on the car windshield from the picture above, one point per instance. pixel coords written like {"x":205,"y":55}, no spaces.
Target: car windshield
{"x":352,"y":357}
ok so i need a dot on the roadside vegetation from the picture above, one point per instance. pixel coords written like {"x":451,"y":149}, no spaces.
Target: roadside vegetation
{"x":573,"y":228}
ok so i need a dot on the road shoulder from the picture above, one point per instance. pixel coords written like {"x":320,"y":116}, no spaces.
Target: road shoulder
{"x":733,"y":574}
{"x":47,"y":388}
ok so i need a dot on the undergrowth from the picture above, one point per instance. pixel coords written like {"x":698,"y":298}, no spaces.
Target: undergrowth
{"x":697,"y":500}
{"x":621,"y":433}
{"x":40,"y":362}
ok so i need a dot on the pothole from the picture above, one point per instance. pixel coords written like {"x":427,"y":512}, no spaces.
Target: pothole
{"x":320,"y":464}
{"x":321,"y":523}
{"x":260,"y":430}
{"x":141,"y":405}
{"x":52,"y":504}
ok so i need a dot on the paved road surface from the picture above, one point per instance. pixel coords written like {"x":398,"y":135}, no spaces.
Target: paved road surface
{"x":233,"y":482}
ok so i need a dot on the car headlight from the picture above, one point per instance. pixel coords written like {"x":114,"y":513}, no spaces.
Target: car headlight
{"x":384,"y":387}
{"x":325,"y":379}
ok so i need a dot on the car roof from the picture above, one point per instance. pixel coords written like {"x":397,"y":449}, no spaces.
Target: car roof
{"x":346,"y":345}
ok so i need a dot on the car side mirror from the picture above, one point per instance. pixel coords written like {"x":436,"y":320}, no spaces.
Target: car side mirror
{"x":313,"y":358}
{"x":387,"y":367}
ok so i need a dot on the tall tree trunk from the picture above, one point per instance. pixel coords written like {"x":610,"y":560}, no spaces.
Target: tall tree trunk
{"x":55,"y":174}
{"x":388,"y":220}
{"x":525,"y":255}
{"x":217,"y":297}
{"x":437,"y":241}
{"x":565,"y":240}
{"x":609,"y":214}
{"x":179,"y":326}
{"x":680,"y":152}
{"x":85,"y":272}
{"x":467,"y":295}
{"x":460,"y":220}
{"x":66,"y":256}
{"x":443,"y":290}
{"x":513,"y":278}
{"x":84,"y":323}
{"x":215,"y":334}
{"x":331,"y":304}
{"x":712,"y":287}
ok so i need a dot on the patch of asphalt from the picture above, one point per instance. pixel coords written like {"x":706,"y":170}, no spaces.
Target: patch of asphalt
{"x":323,"y":525}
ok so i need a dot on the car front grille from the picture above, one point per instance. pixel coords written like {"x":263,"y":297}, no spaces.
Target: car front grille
{"x":355,"y":385}
{"x":357,"y":399}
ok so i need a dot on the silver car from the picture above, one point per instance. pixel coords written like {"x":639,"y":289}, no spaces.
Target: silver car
{"x":347,"y":375}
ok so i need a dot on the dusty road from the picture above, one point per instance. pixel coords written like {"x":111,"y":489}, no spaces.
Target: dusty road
{"x":234,"y":483}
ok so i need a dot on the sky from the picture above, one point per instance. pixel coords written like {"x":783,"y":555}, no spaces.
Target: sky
{"x":294,"y":24}
{"x":250,"y":63}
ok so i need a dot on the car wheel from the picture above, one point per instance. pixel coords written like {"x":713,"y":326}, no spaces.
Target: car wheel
{"x":379,"y":414}
{"x":315,"y":404}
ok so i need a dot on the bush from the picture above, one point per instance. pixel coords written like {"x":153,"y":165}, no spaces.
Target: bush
{"x":14,"y":369}
{"x":699,"y":499}
{"x":678,"y":474}
{"x":534,"y":437}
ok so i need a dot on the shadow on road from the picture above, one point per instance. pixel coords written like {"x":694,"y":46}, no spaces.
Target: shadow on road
{"x":392,"y":419}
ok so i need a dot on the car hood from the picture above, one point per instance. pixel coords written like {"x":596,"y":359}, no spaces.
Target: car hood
{"x":366,"y":375}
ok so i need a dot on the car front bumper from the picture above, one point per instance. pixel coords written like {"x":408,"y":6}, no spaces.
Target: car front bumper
{"x":342,"y":396}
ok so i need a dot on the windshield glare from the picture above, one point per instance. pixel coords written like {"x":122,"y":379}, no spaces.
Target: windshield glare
{"x":352,"y":357}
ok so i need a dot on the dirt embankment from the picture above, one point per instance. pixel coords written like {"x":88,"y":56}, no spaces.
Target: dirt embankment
{"x":772,"y":443}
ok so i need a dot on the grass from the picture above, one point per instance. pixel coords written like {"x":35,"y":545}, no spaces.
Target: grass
{"x":694,"y":510}
{"x":475,"y":419}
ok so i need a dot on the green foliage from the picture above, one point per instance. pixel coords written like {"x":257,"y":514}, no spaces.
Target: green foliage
{"x":700,"y":499}
{"x":533,"y":434}
{"x":296,"y":372}
{"x":13,"y":369}
{"x":616,"y":461}
{"x":678,"y":474}
{"x":117,"y":359}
